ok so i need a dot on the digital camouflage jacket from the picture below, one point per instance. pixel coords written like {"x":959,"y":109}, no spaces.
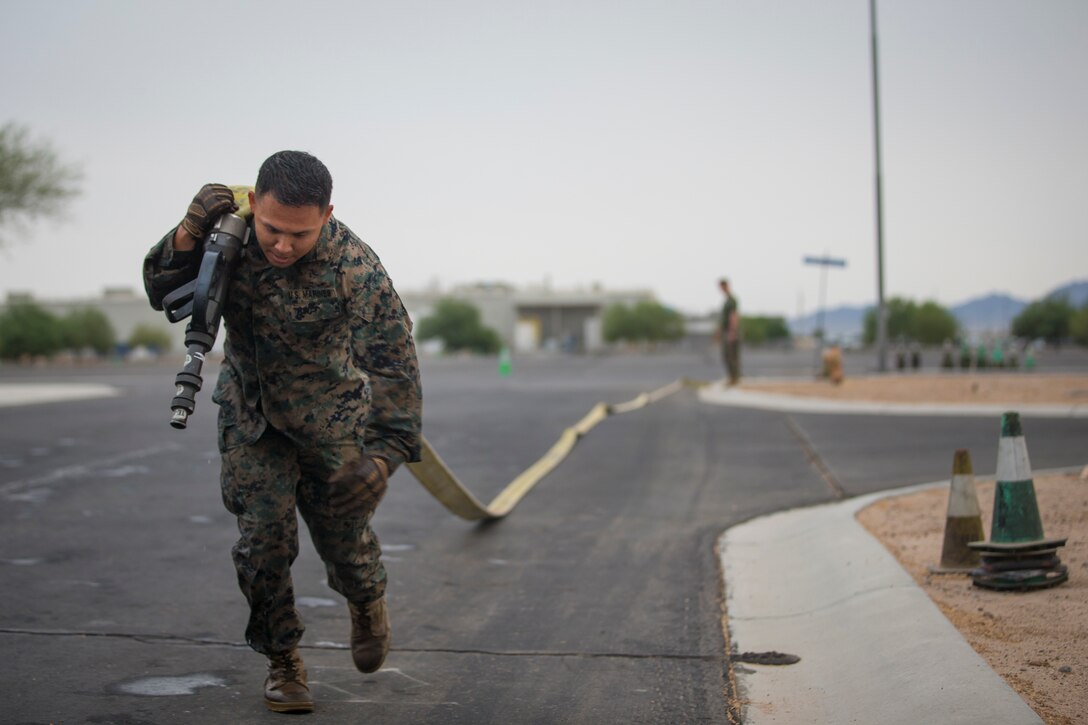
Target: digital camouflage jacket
{"x":321,"y":350}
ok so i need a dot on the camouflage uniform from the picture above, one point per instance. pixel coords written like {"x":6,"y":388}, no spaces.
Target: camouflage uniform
{"x":319,"y":366}
{"x":730,"y":347}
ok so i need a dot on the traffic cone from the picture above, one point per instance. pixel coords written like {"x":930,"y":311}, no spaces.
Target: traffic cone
{"x":963,"y":523}
{"x":1017,"y":556}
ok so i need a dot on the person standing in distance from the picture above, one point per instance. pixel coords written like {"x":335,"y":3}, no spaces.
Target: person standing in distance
{"x":729,"y":333}
{"x":319,"y":401}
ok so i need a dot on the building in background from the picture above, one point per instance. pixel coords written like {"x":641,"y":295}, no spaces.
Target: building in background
{"x":124,"y":307}
{"x":535,"y":318}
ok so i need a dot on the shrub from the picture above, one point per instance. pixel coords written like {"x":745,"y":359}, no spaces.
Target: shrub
{"x":459,"y":327}
{"x":154,"y":338}
{"x":28,"y":330}
{"x":88,"y":328}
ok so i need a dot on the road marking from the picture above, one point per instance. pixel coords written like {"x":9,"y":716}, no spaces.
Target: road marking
{"x":163,"y":686}
{"x":82,"y":470}
{"x":12,"y":394}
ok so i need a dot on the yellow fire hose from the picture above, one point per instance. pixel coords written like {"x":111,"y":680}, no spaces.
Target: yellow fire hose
{"x":436,"y":477}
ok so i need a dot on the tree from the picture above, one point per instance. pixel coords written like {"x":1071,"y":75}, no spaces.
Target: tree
{"x":151,"y":337}
{"x":1048,"y":319}
{"x":1078,"y":325}
{"x":619,"y":324}
{"x":759,"y":329}
{"x":33,"y":181}
{"x":645,"y":322}
{"x":933,"y":324}
{"x":88,"y":328}
{"x":928,"y":323}
{"x":899,"y":312}
{"x":659,"y":323}
{"x":459,"y":327}
{"x":28,"y":330}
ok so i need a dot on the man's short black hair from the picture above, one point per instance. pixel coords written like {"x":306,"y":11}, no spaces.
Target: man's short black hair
{"x":295,"y":178}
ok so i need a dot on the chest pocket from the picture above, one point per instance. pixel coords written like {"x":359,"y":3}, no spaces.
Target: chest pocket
{"x":312,"y":312}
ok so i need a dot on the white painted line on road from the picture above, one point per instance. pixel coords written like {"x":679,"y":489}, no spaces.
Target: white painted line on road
{"x":12,"y":394}
{"x":82,"y":470}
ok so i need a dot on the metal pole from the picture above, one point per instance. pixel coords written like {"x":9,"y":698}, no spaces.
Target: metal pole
{"x":820,"y":317}
{"x":881,"y":319}
{"x":824,"y":262}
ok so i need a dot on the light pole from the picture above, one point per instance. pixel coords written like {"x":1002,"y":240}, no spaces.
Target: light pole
{"x":881,"y":318}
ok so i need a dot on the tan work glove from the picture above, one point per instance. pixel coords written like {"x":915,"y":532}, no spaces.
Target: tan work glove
{"x":358,"y":487}
{"x":210,"y":203}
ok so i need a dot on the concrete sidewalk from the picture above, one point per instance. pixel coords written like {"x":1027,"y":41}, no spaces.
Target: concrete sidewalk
{"x":873,"y":646}
{"x":814,"y":583}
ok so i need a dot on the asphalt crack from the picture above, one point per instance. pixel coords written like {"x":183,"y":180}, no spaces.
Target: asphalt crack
{"x":204,"y":641}
{"x":815,"y":459}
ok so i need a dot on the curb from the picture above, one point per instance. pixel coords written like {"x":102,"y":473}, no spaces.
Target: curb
{"x":715,"y":394}
{"x":874,"y":648}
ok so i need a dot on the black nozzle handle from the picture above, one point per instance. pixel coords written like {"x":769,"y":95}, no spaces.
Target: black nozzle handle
{"x":203,"y":299}
{"x":188,"y":382}
{"x":179,"y":304}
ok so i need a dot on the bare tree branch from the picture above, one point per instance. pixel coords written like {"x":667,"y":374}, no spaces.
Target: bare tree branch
{"x":33,"y":181}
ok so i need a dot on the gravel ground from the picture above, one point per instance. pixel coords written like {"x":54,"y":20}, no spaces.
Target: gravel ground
{"x":1035,"y":639}
{"x":1009,"y":388}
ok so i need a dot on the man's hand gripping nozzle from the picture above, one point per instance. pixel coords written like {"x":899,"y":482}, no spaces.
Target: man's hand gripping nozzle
{"x":204,"y":299}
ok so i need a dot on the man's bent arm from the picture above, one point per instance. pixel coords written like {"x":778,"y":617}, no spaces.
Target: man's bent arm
{"x":383,"y":346}
{"x":171,"y":263}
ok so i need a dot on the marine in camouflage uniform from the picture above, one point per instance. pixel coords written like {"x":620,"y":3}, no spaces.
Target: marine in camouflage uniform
{"x":319,"y":390}
{"x":729,"y":333}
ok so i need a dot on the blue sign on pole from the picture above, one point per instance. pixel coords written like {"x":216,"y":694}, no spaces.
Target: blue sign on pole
{"x":826,"y":261}
{"x":823,"y":262}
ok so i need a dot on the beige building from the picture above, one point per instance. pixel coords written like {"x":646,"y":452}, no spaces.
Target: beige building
{"x":534,"y":318}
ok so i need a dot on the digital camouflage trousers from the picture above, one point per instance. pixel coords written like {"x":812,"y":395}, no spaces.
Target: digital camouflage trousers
{"x":263,"y":483}
{"x":731,"y":358}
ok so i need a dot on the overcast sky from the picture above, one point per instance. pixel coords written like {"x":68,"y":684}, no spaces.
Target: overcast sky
{"x":637,"y":144}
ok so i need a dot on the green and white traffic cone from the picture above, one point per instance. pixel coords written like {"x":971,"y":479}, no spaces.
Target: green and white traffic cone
{"x":963,"y":523}
{"x":506,"y":365}
{"x":1018,"y":555}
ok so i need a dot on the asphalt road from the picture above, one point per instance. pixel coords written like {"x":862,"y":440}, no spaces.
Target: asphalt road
{"x":597,"y":600}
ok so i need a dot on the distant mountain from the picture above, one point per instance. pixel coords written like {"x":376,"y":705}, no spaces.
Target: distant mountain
{"x":1075,"y":292}
{"x":992,"y":313}
{"x":841,"y":323}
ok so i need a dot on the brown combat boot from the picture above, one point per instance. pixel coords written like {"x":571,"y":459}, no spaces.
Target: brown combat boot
{"x":369,"y":634}
{"x":285,"y":689}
